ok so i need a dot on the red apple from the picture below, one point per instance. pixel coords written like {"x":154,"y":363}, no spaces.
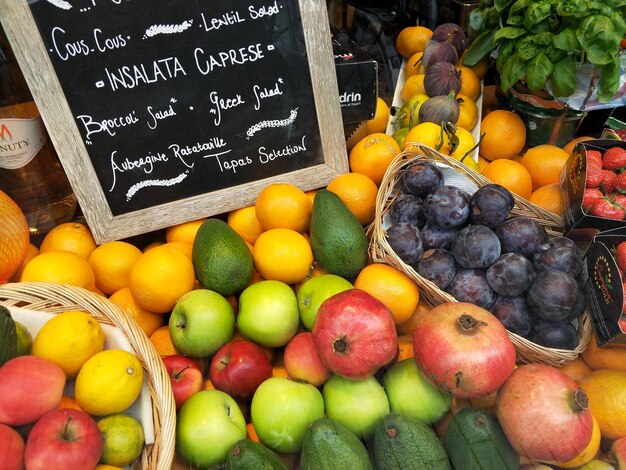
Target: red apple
{"x":11,"y":449}
{"x":29,"y":387}
{"x":303,"y":361}
{"x":617,"y":454}
{"x":355,"y":334}
{"x":185,"y":376}
{"x":239,"y":367}
{"x":63,"y":439}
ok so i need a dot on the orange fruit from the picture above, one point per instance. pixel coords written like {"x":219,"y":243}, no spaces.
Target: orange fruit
{"x":606,"y":391}
{"x":408,"y":326}
{"x":159,"y":277}
{"x":251,"y":433}
{"x":68,"y":402}
{"x":569,"y":147}
{"x":283,"y":255}
{"x":482,"y":163}
{"x":31,"y":252}
{"x":245,"y":222}
{"x":72,"y":237}
{"x":414,"y":85}
{"x":548,"y":197}
{"x":414,"y":66}
{"x":480,"y":68}
{"x":185,"y":232}
{"x":465,"y":145}
{"x":381,"y":117}
{"x":412,"y":39}
{"x":111,"y":263}
{"x":510,"y":174}
{"x":184,"y":247}
{"x":372,"y":155}
{"x":148,"y":321}
{"x":505,"y":135}
{"x":577,"y":369}
{"x":162,"y":341}
{"x":154,"y":244}
{"x":358,"y":192}
{"x":61,"y":267}
{"x":392,"y":287}
{"x":544,"y":163}
{"x":468,"y":112}
{"x":283,"y":205}
{"x":430,"y":134}
{"x":605,"y":357}
{"x":405,"y":347}
{"x":15,"y":237}
{"x":470,"y":83}
{"x":408,"y":114}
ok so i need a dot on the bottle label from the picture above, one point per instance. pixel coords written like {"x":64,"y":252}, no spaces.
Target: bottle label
{"x":20,"y":140}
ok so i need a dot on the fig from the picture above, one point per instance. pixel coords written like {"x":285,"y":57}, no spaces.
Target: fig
{"x":452,"y":33}
{"x":436,"y":52}
{"x":440,"y":108}
{"x":442,"y":79}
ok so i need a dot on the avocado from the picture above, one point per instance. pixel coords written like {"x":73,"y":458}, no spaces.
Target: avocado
{"x":329,"y":445}
{"x":338,"y":239}
{"x":8,"y":336}
{"x":250,"y":455}
{"x":475,"y":441}
{"x":221,"y":259}
{"x":404,"y":443}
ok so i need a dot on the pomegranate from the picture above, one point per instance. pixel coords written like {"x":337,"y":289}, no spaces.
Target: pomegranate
{"x":544,"y":413}
{"x":463,"y":349}
{"x":355,"y":334}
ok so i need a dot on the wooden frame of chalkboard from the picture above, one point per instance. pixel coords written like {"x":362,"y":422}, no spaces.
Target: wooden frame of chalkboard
{"x":165,"y":111}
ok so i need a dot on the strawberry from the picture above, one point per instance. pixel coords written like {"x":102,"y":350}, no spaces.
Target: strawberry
{"x":594,"y":156}
{"x":620,"y":199}
{"x":590,"y":196}
{"x":620,"y":182}
{"x":594,"y":176}
{"x":614,"y":158}
{"x":606,"y":208}
{"x":620,"y":255}
{"x":608,"y":181}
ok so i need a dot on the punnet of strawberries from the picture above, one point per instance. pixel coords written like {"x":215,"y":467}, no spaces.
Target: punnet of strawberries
{"x":605,"y":186}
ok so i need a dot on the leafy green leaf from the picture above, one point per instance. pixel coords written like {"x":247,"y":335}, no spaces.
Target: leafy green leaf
{"x":618,"y":22}
{"x":515,"y":20}
{"x":543,"y":39}
{"x":492,"y":18}
{"x":501,"y":4}
{"x":536,"y":12}
{"x":476,"y":20}
{"x":512,"y":71}
{"x":480,"y":48}
{"x":609,"y":81}
{"x":566,"y":40}
{"x":505,"y":50}
{"x":527,"y":49}
{"x":598,"y":38}
{"x":554,"y":55}
{"x":563,"y":79}
{"x":509,"y":32}
{"x":538,"y":70}
{"x":518,"y":6}
{"x":572,"y":8}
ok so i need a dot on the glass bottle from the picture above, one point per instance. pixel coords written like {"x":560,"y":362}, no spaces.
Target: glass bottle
{"x":30,"y":170}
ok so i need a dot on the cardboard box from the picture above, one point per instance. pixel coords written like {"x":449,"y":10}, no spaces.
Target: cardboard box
{"x":576,"y":223}
{"x":357,"y":79}
{"x":605,"y":288}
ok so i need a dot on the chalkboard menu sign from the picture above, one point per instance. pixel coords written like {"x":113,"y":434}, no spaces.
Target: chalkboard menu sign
{"x":164,"y":111}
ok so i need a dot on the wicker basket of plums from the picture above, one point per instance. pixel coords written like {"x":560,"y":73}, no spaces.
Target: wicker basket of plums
{"x":462,"y":238}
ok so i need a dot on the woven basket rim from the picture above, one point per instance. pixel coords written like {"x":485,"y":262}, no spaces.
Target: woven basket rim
{"x":55,"y":298}
{"x":381,"y":251}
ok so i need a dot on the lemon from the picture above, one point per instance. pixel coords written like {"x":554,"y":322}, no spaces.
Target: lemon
{"x":122,"y":439}
{"x":109,"y":382}
{"x":104,"y":466}
{"x":24,"y":340}
{"x":69,"y":339}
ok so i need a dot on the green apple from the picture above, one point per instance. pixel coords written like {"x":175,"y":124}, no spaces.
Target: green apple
{"x":411,"y":394}
{"x":268,"y":313}
{"x":24,"y":340}
{"x":201,"y":322}
{"x":207,"y":425}
{"x":357,"y":404}
{"x":282,"y":410}
{"x":314,"y":291}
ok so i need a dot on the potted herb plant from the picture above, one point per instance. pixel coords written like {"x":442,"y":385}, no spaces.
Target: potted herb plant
{"x":542,"y":48}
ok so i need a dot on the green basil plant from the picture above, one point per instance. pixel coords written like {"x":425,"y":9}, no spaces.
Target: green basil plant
{"x":545,"y":40}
